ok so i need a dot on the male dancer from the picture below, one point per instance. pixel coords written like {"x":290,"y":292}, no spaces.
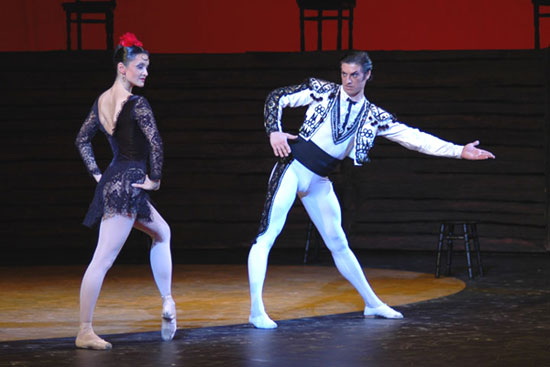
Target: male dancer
{"x":340,"y":122}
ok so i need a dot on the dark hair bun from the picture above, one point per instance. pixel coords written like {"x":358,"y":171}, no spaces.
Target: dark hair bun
{"x":126,"y":54}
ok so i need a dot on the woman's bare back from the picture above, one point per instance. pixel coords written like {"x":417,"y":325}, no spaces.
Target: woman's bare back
{"x":109,"y":105}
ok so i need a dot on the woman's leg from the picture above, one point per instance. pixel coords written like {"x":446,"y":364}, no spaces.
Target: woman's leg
{"x":161,"y":265}
{"x":278,"y":204}
{"x":113,"y":232}
{"x":324,"y":210}
{"x":160,"y":255}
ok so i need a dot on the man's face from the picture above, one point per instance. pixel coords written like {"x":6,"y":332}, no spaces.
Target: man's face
{"x":353,"y":79}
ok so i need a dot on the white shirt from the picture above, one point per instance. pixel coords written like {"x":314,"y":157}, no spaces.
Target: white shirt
{"x":323,"y":137}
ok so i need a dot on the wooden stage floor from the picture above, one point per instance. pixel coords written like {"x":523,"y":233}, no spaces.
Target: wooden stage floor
{"x":42,"y":302}
{"x":502,"y":319}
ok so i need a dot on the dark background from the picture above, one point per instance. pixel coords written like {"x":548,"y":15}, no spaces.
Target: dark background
{"x":217,"y":157}
{"x":209,"y":108}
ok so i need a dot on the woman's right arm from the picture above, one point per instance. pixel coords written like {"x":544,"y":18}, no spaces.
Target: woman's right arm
{"x":84,"y":143}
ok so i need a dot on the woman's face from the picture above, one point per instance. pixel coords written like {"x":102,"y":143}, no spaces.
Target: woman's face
{"x":136,"y":70}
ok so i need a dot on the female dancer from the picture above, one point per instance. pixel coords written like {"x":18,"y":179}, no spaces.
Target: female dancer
{"x":121,"y":200}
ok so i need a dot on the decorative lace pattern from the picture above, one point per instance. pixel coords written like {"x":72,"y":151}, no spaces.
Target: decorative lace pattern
{"x":320,"y":88}
{"x":84,"y":140}
{"x":146,"y":121}
{"x":377,"y":119}
{"x":272,"y":188}
{"x":271,"y":107}
{"x":135,"y":132}
{"x":382,"y":117}
{"x":364,"y":141}
{"x":115,"y":195}
{"x":120,"y":196}
{"x":341,"y":131}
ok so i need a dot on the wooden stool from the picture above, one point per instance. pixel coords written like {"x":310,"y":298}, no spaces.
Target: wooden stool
{"x":466,"y":231}
{"x":89,"y":7}
{"x":537,"y":14}
{"x":326,"y":5}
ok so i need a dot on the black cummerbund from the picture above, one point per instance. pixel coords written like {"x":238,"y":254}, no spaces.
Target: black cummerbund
{"x":313,"y":157}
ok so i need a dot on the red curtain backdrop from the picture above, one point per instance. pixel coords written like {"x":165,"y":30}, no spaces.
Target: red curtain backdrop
{"x":224,"y":26}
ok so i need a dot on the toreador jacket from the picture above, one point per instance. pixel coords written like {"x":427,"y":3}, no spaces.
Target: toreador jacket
{"x":321,"y":96}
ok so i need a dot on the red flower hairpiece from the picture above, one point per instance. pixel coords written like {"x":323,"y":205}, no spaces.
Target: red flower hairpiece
{"x":129,"y":39}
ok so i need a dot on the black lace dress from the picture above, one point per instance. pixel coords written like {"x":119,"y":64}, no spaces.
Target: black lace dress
{"x":135,"y":140}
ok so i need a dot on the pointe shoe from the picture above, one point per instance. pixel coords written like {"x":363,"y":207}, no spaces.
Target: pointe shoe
{"x":262,"y":322}
{"x":89,"y":340}
{"x":169,"y":325}
{"x":384,"y":311}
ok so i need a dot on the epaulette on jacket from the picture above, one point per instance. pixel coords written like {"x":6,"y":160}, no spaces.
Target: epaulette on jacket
{"x":382,"y":118}
{"x":322,"y":86}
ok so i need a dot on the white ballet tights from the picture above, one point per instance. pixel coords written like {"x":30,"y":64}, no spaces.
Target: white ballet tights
{"x":321,"y":204}
{"x":160,"y":255}
{"x":113,"y":232}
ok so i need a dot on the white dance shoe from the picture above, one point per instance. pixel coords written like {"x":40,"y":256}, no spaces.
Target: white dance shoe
{"x":262,"y":322}
{"x":384,"y":311}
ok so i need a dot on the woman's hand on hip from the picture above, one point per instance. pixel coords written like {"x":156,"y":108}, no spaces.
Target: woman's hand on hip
{"x":148,"y":184}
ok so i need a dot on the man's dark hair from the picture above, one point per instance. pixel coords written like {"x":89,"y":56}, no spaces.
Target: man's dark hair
{"x":358,"y":57}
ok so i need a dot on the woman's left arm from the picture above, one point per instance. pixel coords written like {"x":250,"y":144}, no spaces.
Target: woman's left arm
{"x":146,"y":121}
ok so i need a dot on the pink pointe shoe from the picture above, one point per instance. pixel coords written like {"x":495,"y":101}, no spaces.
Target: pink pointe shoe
{"x":87,"y":339}
{"x":169,"y":325}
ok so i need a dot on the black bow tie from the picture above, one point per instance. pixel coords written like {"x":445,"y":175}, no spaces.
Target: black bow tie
{"x":350,"y":105}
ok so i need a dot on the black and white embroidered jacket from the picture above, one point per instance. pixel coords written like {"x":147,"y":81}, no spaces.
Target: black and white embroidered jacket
{"x":323,"y":99}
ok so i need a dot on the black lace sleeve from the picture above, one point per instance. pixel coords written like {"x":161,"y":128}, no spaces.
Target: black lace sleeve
{"x":84,"y":141}
{"x":273,"y":108}
{"x":146,"y":121}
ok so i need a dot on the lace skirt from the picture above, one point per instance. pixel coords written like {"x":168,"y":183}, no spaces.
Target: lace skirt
{"x":115,"y":195}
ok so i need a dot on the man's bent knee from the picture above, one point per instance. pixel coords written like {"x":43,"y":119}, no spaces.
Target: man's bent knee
{"x":338,"y":245}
